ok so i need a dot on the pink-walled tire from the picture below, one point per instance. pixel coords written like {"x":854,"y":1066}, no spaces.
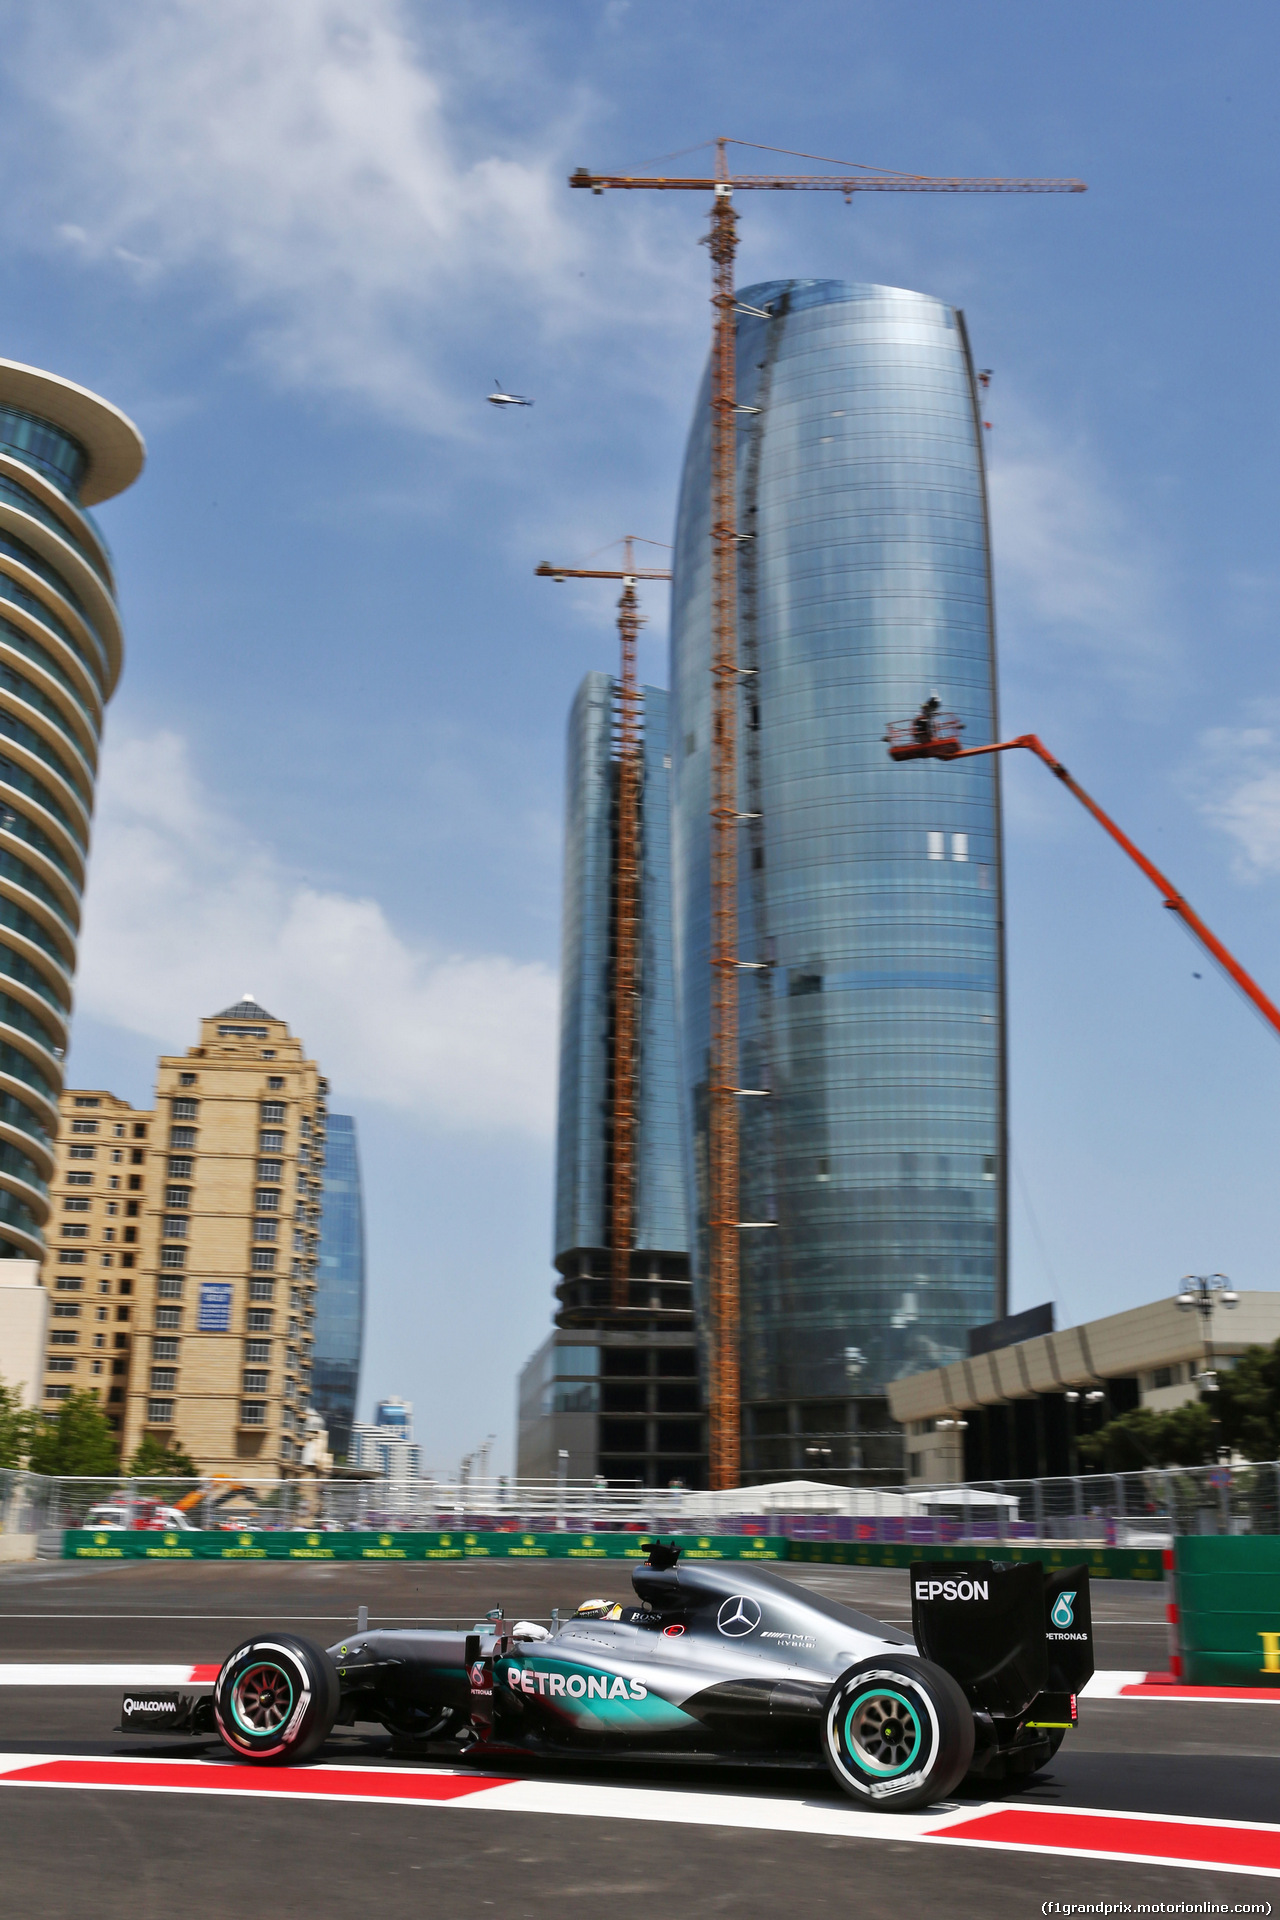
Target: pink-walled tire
{"x":276,"y":1699}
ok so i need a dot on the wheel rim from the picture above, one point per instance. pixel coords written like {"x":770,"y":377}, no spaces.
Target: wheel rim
{"x":883,"y":1732}
{"x":262,"y":1698}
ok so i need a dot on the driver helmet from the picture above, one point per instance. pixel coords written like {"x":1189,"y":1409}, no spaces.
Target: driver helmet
{"x":599,"y":1610}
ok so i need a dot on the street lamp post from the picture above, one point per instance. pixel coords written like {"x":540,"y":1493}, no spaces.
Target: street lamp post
{"x":1201,"y":1292}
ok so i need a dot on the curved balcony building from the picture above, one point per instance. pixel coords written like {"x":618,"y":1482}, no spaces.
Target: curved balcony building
{"x":871,"y":892}
{"x":62,"y":450}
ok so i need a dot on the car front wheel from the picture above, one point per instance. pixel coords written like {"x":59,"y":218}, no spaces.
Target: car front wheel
{"x":897,"y":1733}
{"x":276,"y":1699}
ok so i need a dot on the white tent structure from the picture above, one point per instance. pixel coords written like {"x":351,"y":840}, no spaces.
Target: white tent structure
{"x":856,"y":1503}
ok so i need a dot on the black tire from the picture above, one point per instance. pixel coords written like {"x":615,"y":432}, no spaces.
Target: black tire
{"x":897,"y":1732}
{"x":276,"y":1699}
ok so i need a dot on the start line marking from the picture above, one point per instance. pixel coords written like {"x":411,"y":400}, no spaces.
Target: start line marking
{"x":1113,"y":1684}
{"x":1076,"y":1833}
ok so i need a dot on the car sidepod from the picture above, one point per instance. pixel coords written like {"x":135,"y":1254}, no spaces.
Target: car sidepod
{"x":723,"y":1658}
{"x":563,"y":1689}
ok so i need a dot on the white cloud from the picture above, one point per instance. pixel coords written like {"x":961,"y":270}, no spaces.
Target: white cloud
{"x":1237,"y":783}
{"x":185,"y":910}
{"x":356,"y":181}
{"x":1068,"y":558}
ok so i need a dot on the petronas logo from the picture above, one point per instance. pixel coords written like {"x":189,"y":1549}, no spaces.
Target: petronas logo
{"x":1062,"y":1615}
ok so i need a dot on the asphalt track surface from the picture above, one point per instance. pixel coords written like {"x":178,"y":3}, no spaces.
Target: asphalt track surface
{"x":83,"y":1830}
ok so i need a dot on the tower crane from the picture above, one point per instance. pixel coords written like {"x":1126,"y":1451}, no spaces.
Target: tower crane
{"x":935,"y":735}
{"x":723,"y":1222}
{"x":626,"y":908}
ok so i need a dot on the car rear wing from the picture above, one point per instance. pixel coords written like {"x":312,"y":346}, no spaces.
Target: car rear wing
{"x":1016,"y":1635}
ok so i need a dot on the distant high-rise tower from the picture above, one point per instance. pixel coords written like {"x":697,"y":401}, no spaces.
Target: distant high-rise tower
{"x":616,"y":1388}
{"x":62,"y":450}
{"x":870,"y":892}
{"x":339,"y":1323}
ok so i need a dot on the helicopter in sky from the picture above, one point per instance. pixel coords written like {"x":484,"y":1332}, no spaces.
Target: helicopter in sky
{"x":500,"y":399}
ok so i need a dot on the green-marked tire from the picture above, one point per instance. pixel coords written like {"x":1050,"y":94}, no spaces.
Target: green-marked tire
{"x":276,"y":1699}
{"x":897,"y":1732}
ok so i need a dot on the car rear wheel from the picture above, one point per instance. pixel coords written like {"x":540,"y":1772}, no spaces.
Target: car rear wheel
{"x":897,"y":1732}
{"x":276,"y":1699}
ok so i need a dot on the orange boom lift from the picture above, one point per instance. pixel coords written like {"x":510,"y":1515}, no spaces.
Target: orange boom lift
{"x":723,"y":1223}
{"x":934,"y":735}
{"x":626,"y":939}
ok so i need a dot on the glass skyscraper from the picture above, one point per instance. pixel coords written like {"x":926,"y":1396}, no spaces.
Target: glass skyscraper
{"x":872,"y":892}
{"x":62,"y":450}
{"x":616,"y":1388}
{"x":339,"y":1321}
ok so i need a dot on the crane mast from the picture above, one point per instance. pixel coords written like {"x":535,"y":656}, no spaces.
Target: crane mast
{"x":724,"y":1223}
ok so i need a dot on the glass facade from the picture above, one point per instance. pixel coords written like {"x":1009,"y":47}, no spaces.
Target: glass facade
{"x":339,"y":1321}
{"x":586,"y":1026}
{"x":872,"y":892}
{"x":60,"y":656}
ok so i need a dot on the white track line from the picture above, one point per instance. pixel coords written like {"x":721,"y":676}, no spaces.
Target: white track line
{"x":1231,"y":1846}
{"x":117,"y":1673}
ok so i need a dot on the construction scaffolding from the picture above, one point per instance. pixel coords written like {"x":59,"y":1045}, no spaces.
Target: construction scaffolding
{"x":626,"y":912}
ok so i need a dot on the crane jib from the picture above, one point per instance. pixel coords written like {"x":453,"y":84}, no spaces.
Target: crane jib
{"x":818,"y":183}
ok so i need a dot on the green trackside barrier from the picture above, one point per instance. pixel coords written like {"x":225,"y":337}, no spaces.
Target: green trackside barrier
{"x":1104,"y":1563}
{"x":1228,"y":1593}
{"x":83,"y":1544}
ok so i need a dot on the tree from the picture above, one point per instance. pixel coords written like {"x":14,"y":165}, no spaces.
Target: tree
{"x":77,"y":1439}
{"x":157,"y":1459}
{"x":1249,"y":1403}
{"x":1183,"y":1436}
{"x":16,"y":1427}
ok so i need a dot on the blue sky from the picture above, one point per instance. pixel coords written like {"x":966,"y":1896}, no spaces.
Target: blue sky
{"x":297,"y":239}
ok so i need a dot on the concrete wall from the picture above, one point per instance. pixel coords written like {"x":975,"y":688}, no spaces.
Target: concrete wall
{"x":24,"y":1314}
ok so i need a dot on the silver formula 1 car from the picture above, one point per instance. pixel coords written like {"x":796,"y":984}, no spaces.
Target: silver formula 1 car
{"x":719,"y":1661}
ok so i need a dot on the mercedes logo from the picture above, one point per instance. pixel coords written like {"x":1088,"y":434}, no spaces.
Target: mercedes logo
{"x":738,"y":1616}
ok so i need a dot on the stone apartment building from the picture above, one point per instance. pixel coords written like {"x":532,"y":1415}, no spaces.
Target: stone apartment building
{"x":183,"y":1248}
{"x":223,"y":1310}
{"x":95,"y":1248}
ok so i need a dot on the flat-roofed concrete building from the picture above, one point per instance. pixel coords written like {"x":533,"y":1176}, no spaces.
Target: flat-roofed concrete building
{"x":95,"y":1248}
{"x":1025,"y":1405}
{"x":223,"y":1309}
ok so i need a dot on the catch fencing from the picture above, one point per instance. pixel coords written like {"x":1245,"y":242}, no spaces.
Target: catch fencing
{"x":1146,"y":1509}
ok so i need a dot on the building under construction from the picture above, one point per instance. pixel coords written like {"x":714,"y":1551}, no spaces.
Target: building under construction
{"x":615,"y":1389}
